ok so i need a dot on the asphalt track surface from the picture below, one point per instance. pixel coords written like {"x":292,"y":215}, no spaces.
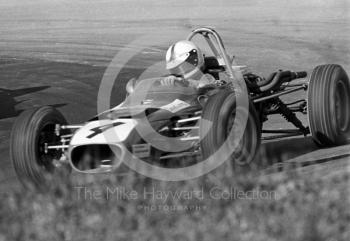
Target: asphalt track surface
{"x":58,"y":56}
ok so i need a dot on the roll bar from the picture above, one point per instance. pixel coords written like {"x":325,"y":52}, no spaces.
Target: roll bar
{"x":217,"y":47}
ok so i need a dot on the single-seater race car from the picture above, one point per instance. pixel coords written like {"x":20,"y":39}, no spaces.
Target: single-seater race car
{"x":159,"y":123}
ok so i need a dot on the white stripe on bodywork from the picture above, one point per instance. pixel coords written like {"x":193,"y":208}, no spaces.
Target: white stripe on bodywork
{"x":110,"y":134}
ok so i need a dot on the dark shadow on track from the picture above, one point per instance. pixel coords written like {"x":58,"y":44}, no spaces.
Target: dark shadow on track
{"x":292,"y":153}
{"x":8,"y":101}
{"x":280,"y":150}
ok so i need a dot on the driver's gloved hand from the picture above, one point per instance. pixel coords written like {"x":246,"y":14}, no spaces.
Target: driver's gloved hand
{"x":171,"y":80}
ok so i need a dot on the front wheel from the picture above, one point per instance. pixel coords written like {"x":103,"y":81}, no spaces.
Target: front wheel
{"x":329,"y":105}
{"x":219,"y":125}
{"x":32,"y":129}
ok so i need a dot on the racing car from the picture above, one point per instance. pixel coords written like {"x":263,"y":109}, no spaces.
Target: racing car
{"x":157,"y":123}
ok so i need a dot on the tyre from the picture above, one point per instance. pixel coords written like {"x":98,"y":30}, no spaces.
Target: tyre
{"x":219,"y":114}
{"x":329,"y":105}
{"x":31,"y":130}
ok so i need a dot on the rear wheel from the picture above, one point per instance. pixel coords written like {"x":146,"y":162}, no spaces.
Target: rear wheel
{"x":329,"y":105}
{"x":31,"y":130}
{"x":219,"y":114}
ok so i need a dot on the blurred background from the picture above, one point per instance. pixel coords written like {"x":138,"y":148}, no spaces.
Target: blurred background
{"x":262,"y":33}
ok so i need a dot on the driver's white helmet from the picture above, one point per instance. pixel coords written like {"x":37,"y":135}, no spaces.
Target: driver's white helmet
{"x":184,"y":58}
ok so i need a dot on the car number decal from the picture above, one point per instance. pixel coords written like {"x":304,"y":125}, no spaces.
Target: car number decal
{"x":100,"y":129}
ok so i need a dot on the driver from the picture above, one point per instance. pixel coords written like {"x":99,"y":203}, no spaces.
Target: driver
{"x":185,"y":62}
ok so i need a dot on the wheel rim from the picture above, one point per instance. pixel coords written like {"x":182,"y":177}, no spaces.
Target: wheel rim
{"x":342,"y":108}
{"x":47,"y":135}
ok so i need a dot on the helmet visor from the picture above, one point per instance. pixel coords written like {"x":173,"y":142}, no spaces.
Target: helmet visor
{"x":188,"y":65}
